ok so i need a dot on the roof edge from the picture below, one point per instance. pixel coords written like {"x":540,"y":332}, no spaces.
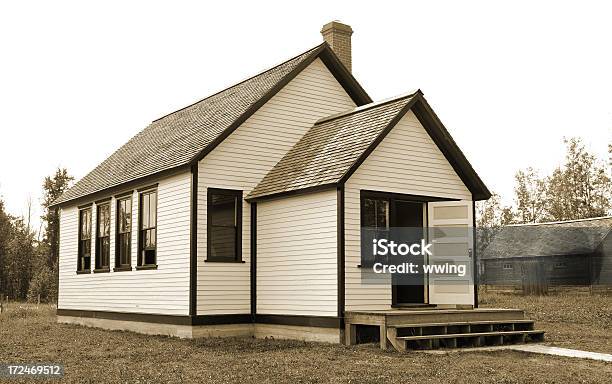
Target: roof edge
{"x":379,"y":138}
{"x":433,"y":125}
{"x":560,"y":222}
{"x":366,"y":107}
{"x":125,"y":186}
{"x":238,"y":83}
{"x":293,"y":192}
{"x":329,"y":58}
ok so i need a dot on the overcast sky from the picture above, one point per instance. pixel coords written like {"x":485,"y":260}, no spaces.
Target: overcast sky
{"x":509,"y":81}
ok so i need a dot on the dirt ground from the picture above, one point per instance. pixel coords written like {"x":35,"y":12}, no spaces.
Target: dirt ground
{"x":94,"y":355}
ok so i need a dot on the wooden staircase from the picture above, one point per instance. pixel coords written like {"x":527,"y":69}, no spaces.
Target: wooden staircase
{"x":438,"y":328}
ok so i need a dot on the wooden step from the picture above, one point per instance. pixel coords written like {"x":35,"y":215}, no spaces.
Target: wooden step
{"x":453,"y":316}
{"x":472,"y":339}
{"x":474,"y":334}
{"x":491,"y":322}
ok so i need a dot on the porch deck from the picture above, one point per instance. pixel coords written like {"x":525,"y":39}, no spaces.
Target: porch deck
{"x":428,"y":328}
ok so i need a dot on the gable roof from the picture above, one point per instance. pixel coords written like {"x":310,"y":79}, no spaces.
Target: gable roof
{"x":329,"y":153}
{"x":184,"y":137}
{"x":574,"y":237}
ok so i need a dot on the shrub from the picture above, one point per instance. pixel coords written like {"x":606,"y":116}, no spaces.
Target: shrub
{"x":44,"y":283}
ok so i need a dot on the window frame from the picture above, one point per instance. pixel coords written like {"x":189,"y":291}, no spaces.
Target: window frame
{"x":80,"y":262}
{"x":560,"y":265}
{"x":507,"y":266}
{"x":98,"y":267}
{"x":376,"y":229}
{"x":238,"y":217}
{"x":140,"y":261}
{"x":118,"y":265}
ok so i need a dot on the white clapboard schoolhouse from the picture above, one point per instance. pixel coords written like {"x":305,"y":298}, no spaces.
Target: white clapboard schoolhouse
{"x":241,"y":214}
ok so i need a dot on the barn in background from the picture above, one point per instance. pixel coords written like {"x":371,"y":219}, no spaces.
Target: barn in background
{"x":568,"y":253}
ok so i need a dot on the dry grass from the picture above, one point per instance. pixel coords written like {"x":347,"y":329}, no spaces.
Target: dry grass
{"x":571,"y":320}
{"x":94,"y":355}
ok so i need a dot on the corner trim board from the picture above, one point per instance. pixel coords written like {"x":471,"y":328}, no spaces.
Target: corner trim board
{"x":475,"y":253}
{"x":253,"y":260}
{"x":193,"y":243}
{"x":341,"y":250}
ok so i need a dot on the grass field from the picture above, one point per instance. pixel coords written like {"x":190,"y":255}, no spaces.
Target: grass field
{"x":94,"y":355}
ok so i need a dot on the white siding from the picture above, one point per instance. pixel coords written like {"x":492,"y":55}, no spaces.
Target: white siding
{"x":243,"y":159}
{"x":406,"y":161}
{"x":296,"y":255}
{"x":161,"y":291}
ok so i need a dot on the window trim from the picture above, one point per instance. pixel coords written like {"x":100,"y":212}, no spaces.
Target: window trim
{"x":239,"y":217}
{"x":98,"y":256}
{"x":80,"y":269}
{"x":507,"y":266}
{"x":140,"y":265}
{"x":118,"y":266}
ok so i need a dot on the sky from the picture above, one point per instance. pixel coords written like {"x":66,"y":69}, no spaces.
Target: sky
{"x":509,"y":79}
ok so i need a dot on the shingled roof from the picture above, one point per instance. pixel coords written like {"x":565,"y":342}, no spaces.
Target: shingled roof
{"x":335,"y":146}
{"x":326,"y":152}
{"x":574,"y":237}
{"x":185,"y":136}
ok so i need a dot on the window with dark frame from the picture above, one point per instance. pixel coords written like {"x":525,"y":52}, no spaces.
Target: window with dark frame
{"x":374,"y":223}
{"x":224,"y":232}
{"x":147,"y":240}
{"x":123,"y":240}
{"x":84,"y":252}
{"x":103,"y":237}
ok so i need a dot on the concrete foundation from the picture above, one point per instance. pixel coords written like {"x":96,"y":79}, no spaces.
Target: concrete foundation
{"x":262,"y":331}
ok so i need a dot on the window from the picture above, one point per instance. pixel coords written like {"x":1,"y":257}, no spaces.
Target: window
{"x":147,"y":240}
{"x":103,"y":237}
{"x":560,"y":265}
{"x":374,"y":224}
{"x":507,"y":266}
{"x":123,"y":241}
{"x":224,"y":225}
{"x":375,"y":214}
{"x":84,"y":261}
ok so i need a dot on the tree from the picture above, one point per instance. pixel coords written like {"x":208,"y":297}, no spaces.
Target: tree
{"x":18,"y":261}
{"x":529,"y":196}
{"x":490,"y":217}
{"x":53,"y":187}
{"x":6,"y":234}
{"x":579,"y":189}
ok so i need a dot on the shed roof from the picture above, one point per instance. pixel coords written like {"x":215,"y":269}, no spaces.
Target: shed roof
{"x":187,"y":135}
{"x":573,"y":237}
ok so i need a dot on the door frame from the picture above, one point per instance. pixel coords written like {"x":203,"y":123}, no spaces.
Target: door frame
{"x":393,"y":196}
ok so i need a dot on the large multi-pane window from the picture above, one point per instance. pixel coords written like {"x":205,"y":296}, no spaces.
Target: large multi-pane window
{"x":84,"y":252}
{"x":123,"y":246}
{"x":147,"y":243}
{"x":224,"y":225}
{"x":103,"y":237}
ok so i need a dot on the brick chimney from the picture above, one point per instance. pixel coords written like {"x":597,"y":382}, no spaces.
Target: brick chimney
{"x":338,"y":36}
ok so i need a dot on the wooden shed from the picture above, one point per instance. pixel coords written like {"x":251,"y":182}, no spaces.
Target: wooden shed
{"x":567,"y":253}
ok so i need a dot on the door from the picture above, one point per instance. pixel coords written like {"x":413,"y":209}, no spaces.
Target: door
{"x":450,"y":227}
{"x":407,"y":219}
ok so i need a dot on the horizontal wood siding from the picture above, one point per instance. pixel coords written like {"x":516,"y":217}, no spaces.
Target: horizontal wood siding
{"x":243,"y":159}
{"x":161,"y":291}
{"x":406,"y":161}
{"x":297,"y":255}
